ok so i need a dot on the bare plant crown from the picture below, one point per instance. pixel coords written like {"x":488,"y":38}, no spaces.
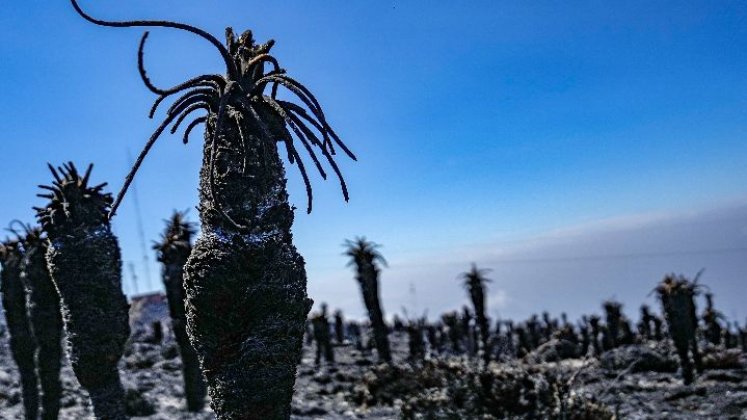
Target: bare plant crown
{"x":241,"y":90}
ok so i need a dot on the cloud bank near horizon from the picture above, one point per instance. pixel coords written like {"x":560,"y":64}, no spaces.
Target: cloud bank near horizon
{"x":569,"y":270}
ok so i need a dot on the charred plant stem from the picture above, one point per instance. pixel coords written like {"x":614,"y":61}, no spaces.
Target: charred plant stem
{"x":46,"y":320}
{"x":173,"y":251}
{"x":246,"y":292}
{"x":22,"y":343}
{"x":245,"y":283}
{"x":85,"y":265}
{"x":364,"y":256}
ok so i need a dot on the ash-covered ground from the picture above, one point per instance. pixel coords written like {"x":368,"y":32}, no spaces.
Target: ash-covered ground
{"x":638,"y":381}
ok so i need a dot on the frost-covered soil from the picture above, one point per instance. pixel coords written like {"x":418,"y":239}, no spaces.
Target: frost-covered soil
{"x":635,"y":381}
{"x":152,"y":376}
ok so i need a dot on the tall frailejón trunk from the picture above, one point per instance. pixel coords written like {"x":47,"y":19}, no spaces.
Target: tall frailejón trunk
{"x":245,"y":283}
{"x":46,"y":321}
{"x":320,"y":326}
{"x":368,"y":277}
{"x":474,"y":282}
{"x":245,"y":287}
{"x":477,"y":295}
{"x":677,"y":299}
{"x":339,"y":327}
{"x":22,"y":343}
{"x":85,"y":265}
{"x":173,"y":251}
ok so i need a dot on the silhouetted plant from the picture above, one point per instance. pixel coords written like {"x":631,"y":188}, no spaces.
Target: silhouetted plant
{"x":355,"y":334}
{"x":585,"y":337}
{"x":397,"y":324}
{"x":524,"y":346}
{"x":564,"y":319}
{"x":173,"y":250}
{"x":467,"y":330}
{"x":339,"y":327}
{"x":416,"y":342}
{"x":658,"y":330}
{"x":596,"y":330}
{"x":711,"y":318}
{"x":435,"y":343}
{"x":627,"y":335}
{"x":364,"y":255}
{"x":46,"y":321}
{"x":453,"y":330}
{"x":644,"y":324}
{"x":614,"y":321}
{"x":85,"y":265}
{"x":245,"y":281}
{"x":475,"y":283}
{"x":22,"y":343}
{"x":567,"y":333}
{"x":320,"y":325}
{"x":727,"y":337}
{"x":550,"y":325}
{"x":534,"y":332}
{"x":677,"y":296}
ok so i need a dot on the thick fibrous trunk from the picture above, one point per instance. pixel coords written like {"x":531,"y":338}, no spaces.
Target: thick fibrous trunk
{"x":85,"y":264}
{"x":713,"y":330}
{"x":644,"y":326}
{"x":416,"y":343}
{"x":173,"y":280}
{"x":478,"y":301}
{"x":451,"y":321}
{"x":323,"y":340}
{"x":368,"y":277}
{"x":613,"y":311}
{"x":86,"y":269}
{"x":46,"y":320}
{"x":339,"y":328}
{"x":245,"y":283}
{"x":245,"y":289}
{"x":22,"y":343}
{"x":679,"y":310}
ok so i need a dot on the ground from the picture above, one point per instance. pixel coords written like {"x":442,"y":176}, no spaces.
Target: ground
{"x":636,"y":382}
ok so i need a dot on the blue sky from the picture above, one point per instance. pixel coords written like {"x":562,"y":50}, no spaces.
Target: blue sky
{"x":480,"y":127}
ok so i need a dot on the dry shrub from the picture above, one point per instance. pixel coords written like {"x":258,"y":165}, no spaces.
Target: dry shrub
{"x":455,"y":388}
{"x":386,"y":383}
{"x":723,"y":359}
